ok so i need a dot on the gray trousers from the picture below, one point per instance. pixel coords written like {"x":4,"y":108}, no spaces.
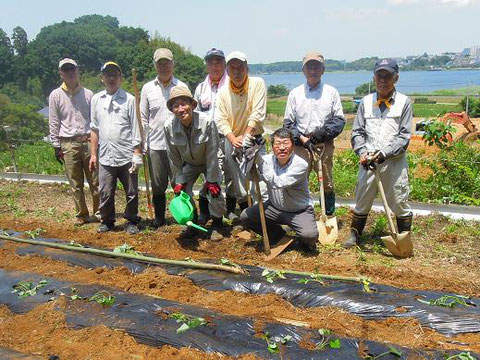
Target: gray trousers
{"x":160,"y":171}
{"x":394,"y":175}
{"x":76,"y":155}
{"x":238,"y":179}
{"x":227,"y":178}
{"x":216,"y":206}
{"x":108,"y":176}
{"x":302,"y":222}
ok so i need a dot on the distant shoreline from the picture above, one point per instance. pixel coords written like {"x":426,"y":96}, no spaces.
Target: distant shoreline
{"x":358,"y":71}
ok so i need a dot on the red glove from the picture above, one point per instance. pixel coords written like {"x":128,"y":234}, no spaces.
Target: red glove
{"x":213,"y":189}
{"x":177,"y":188}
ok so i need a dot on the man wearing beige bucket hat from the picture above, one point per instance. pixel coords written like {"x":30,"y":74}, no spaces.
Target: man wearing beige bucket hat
{"x":314,"y":114}
{"x":153,"y":105}
{"x":69,"y":123}
{"x":192,"y":147}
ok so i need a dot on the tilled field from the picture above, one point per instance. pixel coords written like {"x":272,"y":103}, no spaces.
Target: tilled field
{"x":444,"y":261}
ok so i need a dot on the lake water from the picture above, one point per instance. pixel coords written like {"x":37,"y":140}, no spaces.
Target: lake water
{"x":409,"y":81}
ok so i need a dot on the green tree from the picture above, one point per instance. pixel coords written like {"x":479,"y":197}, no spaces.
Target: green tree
{"x":277,"y":90}
{"x":24,"y":121}
{"x":20,"y":41}
{"x":6,"y":58}
{"x":365,"y":89}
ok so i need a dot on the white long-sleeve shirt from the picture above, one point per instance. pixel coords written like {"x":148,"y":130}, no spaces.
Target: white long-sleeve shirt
{"x":153,"y":106}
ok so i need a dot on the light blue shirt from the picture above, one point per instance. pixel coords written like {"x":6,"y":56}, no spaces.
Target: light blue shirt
{"x":287,"y":185}
{"x":113,"y":116}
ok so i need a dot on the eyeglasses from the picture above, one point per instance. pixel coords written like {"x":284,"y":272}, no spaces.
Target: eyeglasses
{"x":284,"y":144}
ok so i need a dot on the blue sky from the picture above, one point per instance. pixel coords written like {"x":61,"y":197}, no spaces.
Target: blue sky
{"x":277,"y":30}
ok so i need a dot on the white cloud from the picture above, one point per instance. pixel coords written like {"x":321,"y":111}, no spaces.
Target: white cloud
{"x":456,"y":3}
{"x":402,"y":2}
{"x":355,"y":13}
{"x":460,"y":3}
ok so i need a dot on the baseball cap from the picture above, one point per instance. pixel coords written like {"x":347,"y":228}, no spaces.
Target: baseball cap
{"x":214,"y":52}
{"x":66,"y":61}
{"x":162,"y":53}
{"x":315,"y":56}
{"x":236,"y":55}
{"x":180,"y":91}
{"x":110,"y":64}
{"x":386,"y":64}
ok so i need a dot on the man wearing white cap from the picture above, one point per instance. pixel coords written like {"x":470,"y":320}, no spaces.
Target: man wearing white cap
{"x":116,"y":139}
{"x":314,"y":114}
{"x":153,"y":105}
{"x":192,"y":146}
{"x":380,"y":134}
{"x":240,"y":109}
{"x":69,"y":123}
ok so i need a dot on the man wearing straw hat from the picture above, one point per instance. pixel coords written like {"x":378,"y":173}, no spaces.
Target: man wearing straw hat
{"x":192,"y":147}
{"x":153,"y":105}
{"x":116,"y":138}
{"x":314,"y":114}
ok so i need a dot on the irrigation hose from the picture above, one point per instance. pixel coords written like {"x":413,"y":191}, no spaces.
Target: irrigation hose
{"x":190,"y":264}
{"x":323,"y":276}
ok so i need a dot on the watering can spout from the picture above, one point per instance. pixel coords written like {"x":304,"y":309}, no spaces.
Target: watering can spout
{"x":183,"y":211}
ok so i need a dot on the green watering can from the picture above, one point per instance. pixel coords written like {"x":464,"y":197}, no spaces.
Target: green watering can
{"x":182,"y":211}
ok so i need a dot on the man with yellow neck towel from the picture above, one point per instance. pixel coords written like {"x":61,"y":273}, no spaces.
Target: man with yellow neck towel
{"x":241,"y":108}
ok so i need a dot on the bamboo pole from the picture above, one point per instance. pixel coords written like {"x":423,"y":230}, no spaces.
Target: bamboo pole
{"x":145,"y":156}
{"x":323,"y":276}
{"x":195,"y":265}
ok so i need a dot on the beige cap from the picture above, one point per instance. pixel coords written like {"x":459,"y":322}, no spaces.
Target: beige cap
{"x":180,"y":91}
{"x":67,"y":61}
{"x":314,"y":55}
{"x":162,"y":53}
{"x":236,"y":55}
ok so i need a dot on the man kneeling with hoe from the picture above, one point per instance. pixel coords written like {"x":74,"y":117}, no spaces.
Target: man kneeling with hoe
{"x":192,"y":148}
{"x":289,"y":200}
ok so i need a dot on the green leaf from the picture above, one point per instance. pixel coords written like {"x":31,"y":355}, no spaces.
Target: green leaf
{"x":335,"y":344}
{"x":395,"y":351}
{"x":103,"y":298}
{"x":184,"y":327}
{"x":27,"y":288}
{"x":324,"y":332}
{"x":273,"y":347}
{"x":286,"y":339}
{"x":126,"y":249}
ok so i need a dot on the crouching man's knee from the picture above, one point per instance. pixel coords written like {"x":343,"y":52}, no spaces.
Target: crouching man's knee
{"x":308,"y":235}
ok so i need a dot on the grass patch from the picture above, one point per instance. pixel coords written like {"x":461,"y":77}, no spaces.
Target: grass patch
{"x":35,"y":158}
{"x":434,"y":110}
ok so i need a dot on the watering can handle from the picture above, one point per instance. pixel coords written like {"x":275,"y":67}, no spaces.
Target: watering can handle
{"x":186,"y":199}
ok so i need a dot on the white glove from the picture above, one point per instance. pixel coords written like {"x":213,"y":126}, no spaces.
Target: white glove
{"x":136,"y":163}
{"x":248,"y":141}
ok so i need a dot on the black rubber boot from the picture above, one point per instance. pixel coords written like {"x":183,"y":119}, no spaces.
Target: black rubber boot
{"x":204,"y":212}
{"x":330,"y":203}
{"x":404,"y":223}
{"x":356,"y":229}
{"x":217,"y":224}
{"x":159,"y":202}
{"x":231,"y":203}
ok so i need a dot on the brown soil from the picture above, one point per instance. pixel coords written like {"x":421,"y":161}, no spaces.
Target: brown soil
{"x":442,"y":262}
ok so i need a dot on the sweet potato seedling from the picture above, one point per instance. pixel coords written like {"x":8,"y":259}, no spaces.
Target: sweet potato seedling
{"x":327,"y":340}
{"x":27,"y":288}
{"x":126,"y":249}
{"x":447,"y":301}
{"x":462,"y":356}
{"x":103,"y":298}
{"x":313,"y":277}
{"x":272,"y":275}
{"x":391,"y":351}
{"x":188,"y":322}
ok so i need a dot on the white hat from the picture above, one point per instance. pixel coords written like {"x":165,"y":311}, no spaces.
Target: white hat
{"x":236,"y":55}
{"x":67,"y":61}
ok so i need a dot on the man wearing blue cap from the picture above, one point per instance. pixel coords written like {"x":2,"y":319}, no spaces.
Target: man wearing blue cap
{"x":381,"y":133}
{"x":205,"y":96}
{"x":116,"y":138}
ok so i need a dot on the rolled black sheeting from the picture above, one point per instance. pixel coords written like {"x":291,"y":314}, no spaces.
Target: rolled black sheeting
{"x":146,"y":319}
{"x":384,"y":302}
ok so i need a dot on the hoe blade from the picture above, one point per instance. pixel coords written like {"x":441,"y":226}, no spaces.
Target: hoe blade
{"x":279,"y":247}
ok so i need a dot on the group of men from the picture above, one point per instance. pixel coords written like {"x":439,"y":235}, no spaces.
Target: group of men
{"x":215,"y":132}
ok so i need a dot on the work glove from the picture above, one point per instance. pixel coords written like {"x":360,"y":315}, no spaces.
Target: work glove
{"x":213,"y":188}
{"x":319,"y":135}
{"x":178,"y":188}
{"x":309,"y":146}
{"x":59,"y":155}
{"x":248,"y":141}
{"x":136,"y":163}
{"x":379,"y":157}
{"x":250,"y":150}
